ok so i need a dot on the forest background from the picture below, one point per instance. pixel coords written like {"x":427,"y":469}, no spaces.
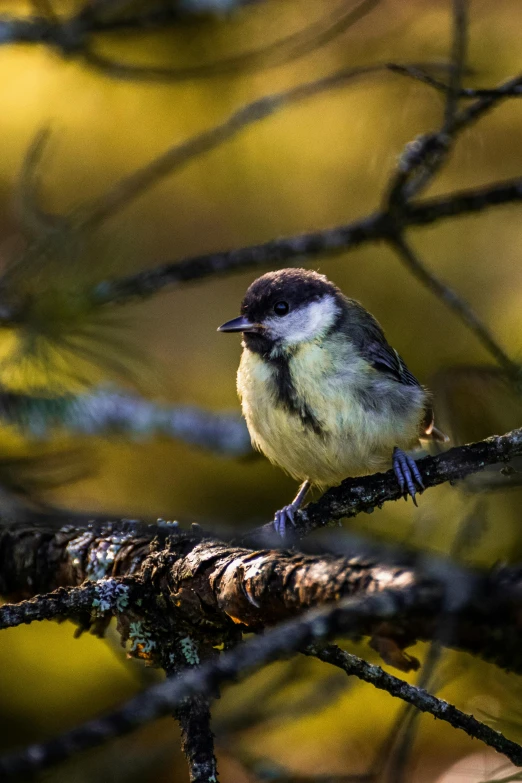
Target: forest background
{"x":317,"y":163}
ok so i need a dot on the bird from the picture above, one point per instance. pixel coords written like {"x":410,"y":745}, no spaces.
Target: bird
{"x":323,"y":393}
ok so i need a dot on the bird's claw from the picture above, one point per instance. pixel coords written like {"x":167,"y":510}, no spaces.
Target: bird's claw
{"x":283,"y":517}
{"x":407,"y":473}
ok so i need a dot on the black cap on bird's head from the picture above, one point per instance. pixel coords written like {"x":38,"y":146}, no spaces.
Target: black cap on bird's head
{"x":286,"y":307}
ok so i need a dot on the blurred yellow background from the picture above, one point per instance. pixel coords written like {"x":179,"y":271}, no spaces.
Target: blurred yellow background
{"x":321,"y":163}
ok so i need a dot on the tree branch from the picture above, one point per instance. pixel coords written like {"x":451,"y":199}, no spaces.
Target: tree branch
{"x":281,"y":641}
{"x":458,"y":59}
{"x":356,"y":495}
{"x":193,"y":714}
{"x":163,"y":698}
{"x":74,"y":36}
{"x":305,"y":247}
{"x":134,"y":185}
{"x":282,"y":51}
{"x":62,"y":603}
{"x":206,"y":583}
{"x":422,"y":158}
{"x":457,"y":305}
{"x":418,"y":697}
{"x":110,"y":412}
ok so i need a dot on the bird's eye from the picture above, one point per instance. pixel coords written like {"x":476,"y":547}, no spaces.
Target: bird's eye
{"x":281,"y":308}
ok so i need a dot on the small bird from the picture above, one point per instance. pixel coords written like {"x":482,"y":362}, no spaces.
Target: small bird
{"x":323,"y":393}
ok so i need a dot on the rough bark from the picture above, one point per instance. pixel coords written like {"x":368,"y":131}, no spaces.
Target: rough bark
{"x":214,"y":589}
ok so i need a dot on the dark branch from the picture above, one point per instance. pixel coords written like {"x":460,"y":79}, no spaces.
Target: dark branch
{"x":418,"y":697}
{"x":193,"y":716}
{"x":420,"y":75}
{"x":280,"y":52}
{"x":425,"y":156}
{"x":137,"y":183}
{"x":305,"y":247}
{"x":458,"y":305}
{"x":204,"y":582}
{"x":75,"y":36}
{"x":285,"y":639}
{"x":62,"y":603}
{"x":356,"y":495}
{"x":458,"y":59}
{"x":164,"y":698}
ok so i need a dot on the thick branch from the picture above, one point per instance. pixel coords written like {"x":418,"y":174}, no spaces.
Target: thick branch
{"x":164,"y":698}
{"x":205,"y":583}
{"x":286,"y":638}
{"x":220,"y":587}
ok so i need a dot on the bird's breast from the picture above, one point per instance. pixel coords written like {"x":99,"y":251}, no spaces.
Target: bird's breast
{"x":325,"y":415}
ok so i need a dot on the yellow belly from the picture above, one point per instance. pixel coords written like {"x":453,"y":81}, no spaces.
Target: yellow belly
{"x":354,"y":440}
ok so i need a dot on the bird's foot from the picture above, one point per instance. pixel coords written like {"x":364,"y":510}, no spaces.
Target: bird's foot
{"x":283,"y":518}
{"x":407,"y":473}
{"x":287,"y":514}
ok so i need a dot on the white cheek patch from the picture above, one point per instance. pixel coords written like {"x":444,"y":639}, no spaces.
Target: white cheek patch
{"x":305,"y":323}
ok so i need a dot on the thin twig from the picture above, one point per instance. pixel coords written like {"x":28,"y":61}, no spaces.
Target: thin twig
{"x":434,"y":162}
{"x":137,"y":183}
{"x":458,"y":59}
{"x":356,"y":495}
{"x":406,"y":727}
{"x":424,"y":157}
{"x":420,"y":75}
{"x":407,"y":724}
{"x":305,"y":247}
{"x":280,"y":52}
{"x":418,"y":697}
{"x":457,"y":305}
{"x":133,"y":186}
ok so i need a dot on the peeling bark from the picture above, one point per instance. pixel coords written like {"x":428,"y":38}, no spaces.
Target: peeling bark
{"x":217,"y":590}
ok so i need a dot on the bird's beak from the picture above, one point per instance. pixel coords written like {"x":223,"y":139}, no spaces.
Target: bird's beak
{"x":240,"y":324}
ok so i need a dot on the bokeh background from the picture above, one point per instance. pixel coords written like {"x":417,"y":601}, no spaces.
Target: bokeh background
{"x":321,"y":163}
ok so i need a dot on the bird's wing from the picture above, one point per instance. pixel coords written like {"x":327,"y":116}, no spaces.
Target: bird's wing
{"x":365,"y":332}
{"x":386,"y":359}
{"x":373,"y":345}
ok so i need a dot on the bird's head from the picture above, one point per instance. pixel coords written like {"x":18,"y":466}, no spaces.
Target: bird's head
{"x":284,"y":309}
